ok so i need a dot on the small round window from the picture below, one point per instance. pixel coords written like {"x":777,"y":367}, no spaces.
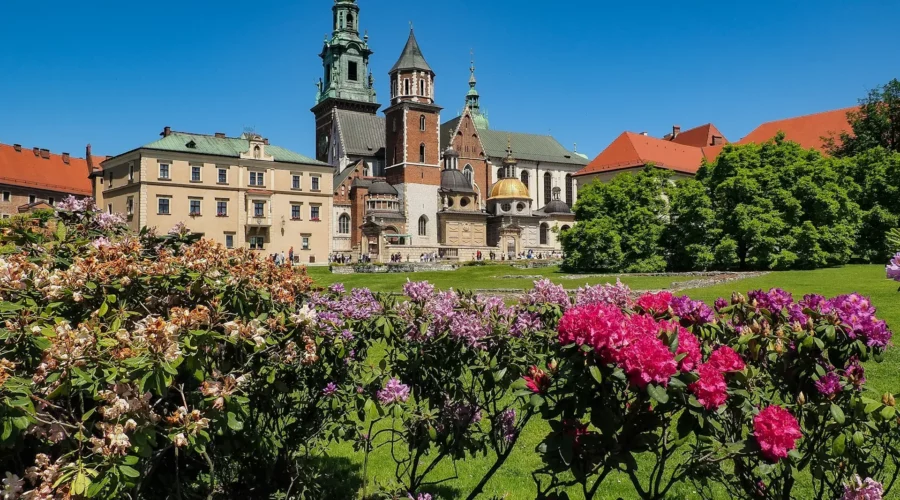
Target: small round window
{"x":464,"y":202}
{"x":506,"y":207}
{"x":520,"y":207}
{"x":449,"y":201}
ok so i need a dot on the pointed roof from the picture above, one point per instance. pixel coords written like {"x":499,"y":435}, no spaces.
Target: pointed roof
{"x":412,"y":57}
{"x":807,"y":130}
{"x":699,"y":137}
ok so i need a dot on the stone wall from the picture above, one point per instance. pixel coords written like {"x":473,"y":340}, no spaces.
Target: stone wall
{"x":393,"y":268}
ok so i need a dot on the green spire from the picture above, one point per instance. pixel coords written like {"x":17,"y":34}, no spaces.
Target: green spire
{"x":345,"y":58}
{"x":472,"y":98}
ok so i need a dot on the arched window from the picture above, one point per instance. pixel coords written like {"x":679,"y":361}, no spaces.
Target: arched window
{"x":257,"y":153}
{"x":406,"y":86}
{"x":422,"y":123}
{"x":500,"y":173}
{"x":548,"y":180}
{"x":570,"y":192}
{"x":544,"y":233}
{"x":423,"y":226}
{"x":564,"y":228}
{"x":469,"y":173}
{"x":350,"y":20}
{"x":422,"y":153}
{"x":524,"y":176}
{"x":344,"y":224}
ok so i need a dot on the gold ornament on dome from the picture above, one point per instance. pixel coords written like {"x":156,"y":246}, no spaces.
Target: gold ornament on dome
{"x":509,"y":188}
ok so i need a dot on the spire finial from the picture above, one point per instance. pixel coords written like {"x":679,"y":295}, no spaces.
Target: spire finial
{"x":410,"y":26}
{"x":509,"y":145}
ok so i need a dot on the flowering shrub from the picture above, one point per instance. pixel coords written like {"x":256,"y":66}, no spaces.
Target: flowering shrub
{"x":156,"y":366}
{"x":766,"y":384}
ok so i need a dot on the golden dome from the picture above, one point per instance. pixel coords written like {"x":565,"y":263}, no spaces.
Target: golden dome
{"x":509,"y":188}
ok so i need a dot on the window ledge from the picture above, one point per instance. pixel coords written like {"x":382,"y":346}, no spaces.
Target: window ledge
{"x":167,"y":179}
{"x":160,"y":213}
{"x":196,"y":182}
{"x":222,"y":183}
{"x":296,"y":218}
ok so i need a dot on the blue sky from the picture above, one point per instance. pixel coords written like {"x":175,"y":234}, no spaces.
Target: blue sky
{"x":115,"y":73}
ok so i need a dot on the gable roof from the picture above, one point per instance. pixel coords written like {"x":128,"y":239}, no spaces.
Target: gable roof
{"x":806,"y":130}
{"x":411,"y":57}
{"x":339,"y":178}
{"x":232,"y":147}
{"x":631,"y":150}
{"x":528,"y":147}
{"x":361,"y":133}
{"x":44,"y":171}
{"x":699,"y":137}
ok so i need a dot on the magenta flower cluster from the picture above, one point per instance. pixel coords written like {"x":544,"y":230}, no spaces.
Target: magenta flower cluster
{"x":360,"y":304}
{"x":618,"y":295}
{"x":418,"y":291}
{"x":506,"y":425}
{"x":693,"y":312}
{"x":776,"y":431}
{"x":393,"y":392}
{"x":829,"y":385}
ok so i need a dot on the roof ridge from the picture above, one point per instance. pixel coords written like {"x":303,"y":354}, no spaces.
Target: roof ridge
{"x":847,"y":109}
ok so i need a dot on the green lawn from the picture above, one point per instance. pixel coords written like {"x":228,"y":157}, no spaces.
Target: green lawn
{"x":514,"y":481}
{"x":487,"y":277}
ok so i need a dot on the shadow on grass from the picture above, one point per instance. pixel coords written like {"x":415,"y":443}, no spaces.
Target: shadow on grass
{"x":342,"y":480}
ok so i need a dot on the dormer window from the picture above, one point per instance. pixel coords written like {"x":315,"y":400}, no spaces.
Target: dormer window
{"x":257,"y":152}
{"x":191,"y":144}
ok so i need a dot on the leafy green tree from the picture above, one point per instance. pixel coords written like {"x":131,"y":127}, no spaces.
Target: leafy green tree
{"x":621,"y":224}
{"x":876,"y":123}
{"x":691,"y":236}
{"x":776,"y":206}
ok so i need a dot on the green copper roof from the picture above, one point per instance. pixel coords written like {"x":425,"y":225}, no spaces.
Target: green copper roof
{"x":412,"y":57}
{"x":231,"y":147}
{"x":528,"y":147}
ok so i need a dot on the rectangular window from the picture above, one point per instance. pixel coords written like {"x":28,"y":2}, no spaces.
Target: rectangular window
{"x":295,"y":182}
{"x":6,"y":216}
{"x":7,"y":196}
{"x":130,"y":172}
{"x":222,"y":208}
{"x":315,"y":183}
{"x":109,"y":209}
{"x":163,"y":204}
{"x":256,"y":242}
{"x":195,"y":207}
{"x":223,"y":176}
{"x":259,"y":209}
{"x":257,"y":179}
{"x":352,"y":71}
{"x":229,"y":241}
{"x":295,"y":212}
{"x":50,"y":201}
{"x":110,"y":180}
{"x":129,"y":205}
{"x":163,"y":170}
{"x":305,"y":243}
{"x":314,"y":213}
{"x":32,"y":198}
{"x":195,"y":174}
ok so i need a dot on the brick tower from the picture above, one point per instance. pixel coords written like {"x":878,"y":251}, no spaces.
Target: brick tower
{"x":412,"y":143}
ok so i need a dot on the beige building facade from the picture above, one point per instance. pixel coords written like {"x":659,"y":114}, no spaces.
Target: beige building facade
{"x":242,"y":192}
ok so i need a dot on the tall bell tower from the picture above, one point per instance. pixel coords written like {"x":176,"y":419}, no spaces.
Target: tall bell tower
{"x":346,"y":83}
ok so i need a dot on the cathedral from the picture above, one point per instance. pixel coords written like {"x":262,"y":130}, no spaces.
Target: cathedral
{"x":408,"y":185}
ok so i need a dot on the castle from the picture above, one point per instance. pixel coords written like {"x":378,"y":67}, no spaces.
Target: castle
{"x":406,"y":184}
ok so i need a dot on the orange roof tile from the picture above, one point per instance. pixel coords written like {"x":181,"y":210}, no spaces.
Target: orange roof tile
{"x":805,"y":130}
{"x":44,"y":171}
{"x":700,"y":137}
{"x":634,"y":150}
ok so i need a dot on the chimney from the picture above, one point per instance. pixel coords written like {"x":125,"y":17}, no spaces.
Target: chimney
{"x":220,"y":135}
{"x":45,"y":154}
{"x":88,"y":159}
{"x":716,"y":140}
{"x":17,"y":147}
{"x":644,"y":133}
{"x":167,"y":131}
{"x":676,"y":129}
{"x":65,"y":157}
{"x":37,"y":151}
{"x":266,"y":142}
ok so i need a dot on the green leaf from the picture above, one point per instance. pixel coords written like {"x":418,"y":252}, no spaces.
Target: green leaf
{"x":536,"y":401}
{"x":233,"y":423}
{"x":839,"y":445}
{"x":658,"y":393}
{"x":129,"y":471}
{"x":858,"y":438}
{"x":61,"y":231}
{"x":104,"y":308}
{"x":80,"y":484}
{"x":888,"y":412}
{"x":595,"y":372}
{"x":837,"y":413}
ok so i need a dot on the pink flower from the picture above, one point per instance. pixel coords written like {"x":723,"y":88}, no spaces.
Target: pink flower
{"x":617,"y":295}
{"x":893,"y":268}
{"x":545,"y":292}
{"x":654,"y":303}
{"x":726,"y":360}
{"x":710,"y":389}
{"x":593,"y":325}
{"x":776,"y":431}
{"x":393,"y":392}
{"x":858,"y":489}
{"x":687,"y":345}
{"x":648,"y":360}
{"x":538,"y":381}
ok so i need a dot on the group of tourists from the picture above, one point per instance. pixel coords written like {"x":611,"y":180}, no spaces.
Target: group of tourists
{"x":280,"y":259}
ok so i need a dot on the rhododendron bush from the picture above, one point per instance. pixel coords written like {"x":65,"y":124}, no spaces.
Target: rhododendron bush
{"x":158,"y":366}
{"x":739,"y":399}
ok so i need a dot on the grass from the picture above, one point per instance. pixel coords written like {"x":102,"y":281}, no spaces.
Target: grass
{"x":487,"y":277}
{"x":514,"y":481}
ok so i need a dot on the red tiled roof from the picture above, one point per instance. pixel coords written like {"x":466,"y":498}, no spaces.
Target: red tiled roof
{"x":631,"y":150}
{"x":24,"y":168}
{"x":805,"y":130}
{"x":700,"y":137}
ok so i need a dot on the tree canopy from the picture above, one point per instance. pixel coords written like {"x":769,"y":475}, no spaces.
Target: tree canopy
{"x":876,"y":123}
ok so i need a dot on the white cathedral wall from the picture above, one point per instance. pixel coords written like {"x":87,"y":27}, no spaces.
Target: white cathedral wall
{"x":419,"y":200}
{"x":339,"y":242}
{"x":536,"y":172}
